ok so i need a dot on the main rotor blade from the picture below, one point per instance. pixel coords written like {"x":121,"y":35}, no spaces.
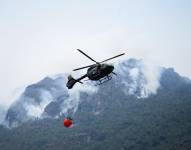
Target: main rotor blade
{"x":83,"y":67}
{"x":113,"y":57}
{"x":87,"y":56}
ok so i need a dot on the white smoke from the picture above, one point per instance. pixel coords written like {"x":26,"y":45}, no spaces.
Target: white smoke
{"x":141,"y":78}
{"x":4,"y":106}
{"x":35,"y":110}
{"x":152,"y":75}
{"x":71,"y":104}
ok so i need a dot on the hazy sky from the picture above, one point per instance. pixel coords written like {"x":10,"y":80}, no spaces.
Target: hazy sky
{"x":39,"y":37}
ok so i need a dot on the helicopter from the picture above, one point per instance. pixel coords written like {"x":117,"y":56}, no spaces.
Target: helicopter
{"x":100,"y":71}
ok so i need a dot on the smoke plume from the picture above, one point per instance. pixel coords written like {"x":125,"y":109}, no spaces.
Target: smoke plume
{"x":140,"y":77}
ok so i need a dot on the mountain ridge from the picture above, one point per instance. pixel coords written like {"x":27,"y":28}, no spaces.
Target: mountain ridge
{"x":47,"y":97}
{"x":119,"y":114}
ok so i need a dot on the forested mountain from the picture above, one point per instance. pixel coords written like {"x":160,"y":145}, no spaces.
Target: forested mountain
{"x":142,"y":108}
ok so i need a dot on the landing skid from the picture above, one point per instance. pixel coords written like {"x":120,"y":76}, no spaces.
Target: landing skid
{"x":103,"y":80}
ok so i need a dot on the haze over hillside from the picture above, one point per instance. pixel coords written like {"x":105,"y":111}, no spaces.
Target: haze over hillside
{"x":143,"y":107}
{"x":50,"y":97}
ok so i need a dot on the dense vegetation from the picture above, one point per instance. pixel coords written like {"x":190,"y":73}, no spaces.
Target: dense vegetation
{"x":117,"y":121}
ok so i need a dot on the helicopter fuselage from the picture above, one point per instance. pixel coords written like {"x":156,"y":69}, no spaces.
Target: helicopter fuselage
{"x":97,"y":72}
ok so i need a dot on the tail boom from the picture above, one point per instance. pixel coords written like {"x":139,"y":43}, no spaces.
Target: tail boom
{"x":71,"y":81}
